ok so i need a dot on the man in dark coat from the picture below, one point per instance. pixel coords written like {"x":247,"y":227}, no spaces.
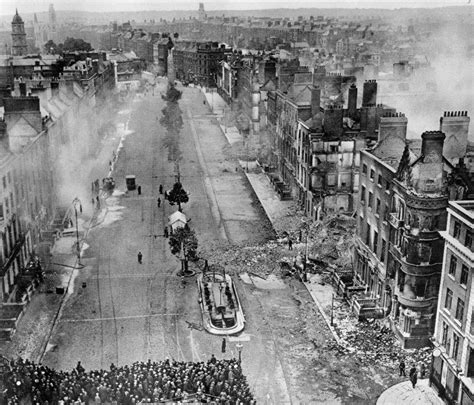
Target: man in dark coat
{"x":413,"y":376}
{"x":402,"y":369}
{"x":223,"y":345}
{"x":140,"y":257}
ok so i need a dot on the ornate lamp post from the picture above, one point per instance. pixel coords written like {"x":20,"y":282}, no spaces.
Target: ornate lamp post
{"x":239,"y":347}
{"x":77,"y":203}
{"x":436,"y":353}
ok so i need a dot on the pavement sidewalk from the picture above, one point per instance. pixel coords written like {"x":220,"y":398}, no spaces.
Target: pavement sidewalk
{"x":404,"y":393}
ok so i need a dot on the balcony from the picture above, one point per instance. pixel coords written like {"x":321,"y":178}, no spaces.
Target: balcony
{"x":394,"y":221}
{"x":418,"y":302}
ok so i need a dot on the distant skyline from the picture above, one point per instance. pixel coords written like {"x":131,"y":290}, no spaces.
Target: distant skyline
{"x":27,"y":6}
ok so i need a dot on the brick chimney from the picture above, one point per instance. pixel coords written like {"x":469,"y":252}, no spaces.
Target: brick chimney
{"x":432,"y":143}
{"x":429,"y":176}
{"x":315,"y":100}
{"x":455,"y":124}
{"x":369,"y":93}
{"x":393,"y":125}
{"x":352,"y":101}
{"x":333,"y":119}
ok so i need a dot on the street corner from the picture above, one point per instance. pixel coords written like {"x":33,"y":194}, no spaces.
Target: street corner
{"x":404,"y":393}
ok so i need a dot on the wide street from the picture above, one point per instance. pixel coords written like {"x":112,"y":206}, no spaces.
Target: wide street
{"x":121,"y":311}
{"x":132,"y":312}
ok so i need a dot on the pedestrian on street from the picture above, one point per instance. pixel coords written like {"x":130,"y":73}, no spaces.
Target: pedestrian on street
{"x":223,"y":345}
{"x":139,"y":189}
{"x":290,"y":244}
{"x":165,"y":232}
{"x":159,"y":202}
{"x":402,"y":369}
{"x":413,"y":375}
{"x":161,"y":189}
{"x":422,"y":370}
{"x":183,"y":281}
{"x":140,"y":257}
{"x":79,"y":368}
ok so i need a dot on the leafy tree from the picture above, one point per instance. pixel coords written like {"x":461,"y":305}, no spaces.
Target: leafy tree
{"x":184,"y":238}
{"x":52,"y":48}
{"x":76,"y":44}
{"x":178,"y":195}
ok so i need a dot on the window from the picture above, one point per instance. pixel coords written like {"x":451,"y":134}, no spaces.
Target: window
{"x":468,"y":240}
{"x":377,"y":207}
{"x":379,"y":288}
{"x":382,"y":253}
{"x":1,"y":211}
{"x":449,"y":299}
{"x":364,"y":169}
{"x":372,"y":174}
{"x":444,"y":338}
{"x":457,"y":229}
{"x":464,"y":275}
{"x":4,"y":182}
{"x":455,"y":346}
{"x":387,"y":185}
{"x":452,"y":266}
{"x":371,"y":199}
{"x":362,"y":193}
{"x":460,"y":309}
{"x":367,"y":237}
{"x":376,"y":241}
{"x":379,"y":180}
{"x":7,"y":209}
{"x":12,"y":203}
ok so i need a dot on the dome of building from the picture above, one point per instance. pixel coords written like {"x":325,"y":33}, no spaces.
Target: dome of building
{"x":17,"y":19}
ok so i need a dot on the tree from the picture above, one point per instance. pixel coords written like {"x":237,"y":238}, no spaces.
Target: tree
{"x":184,"y":239}
{"x":178,"y":195}
{"x":52,"y":48}
{"x":76,"y":44}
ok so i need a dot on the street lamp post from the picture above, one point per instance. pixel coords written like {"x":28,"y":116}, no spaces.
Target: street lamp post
{"x":76,"y":202}
{"x":436,"y":353}
{"x":239,"y":347}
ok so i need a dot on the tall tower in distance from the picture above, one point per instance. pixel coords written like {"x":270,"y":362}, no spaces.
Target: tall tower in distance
{"x":52,"y":18}
{"x":202,"y":13}
{"x":19,"y":46}
{"x":52,"y":24}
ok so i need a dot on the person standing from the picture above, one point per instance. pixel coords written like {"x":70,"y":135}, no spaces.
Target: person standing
{"x":139,"y":189}
{"x":223,"y":345}
{"x":290,"y":244}
{"x":161,"y":189}
{"x":402,"y":369}
{"x":159,"y":202}
{"x":413,"y":376}
{"x":140,"y":257}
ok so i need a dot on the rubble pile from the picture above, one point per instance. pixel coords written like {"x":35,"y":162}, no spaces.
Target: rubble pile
{"x":261,"y":260}
{"x":372,"y":342}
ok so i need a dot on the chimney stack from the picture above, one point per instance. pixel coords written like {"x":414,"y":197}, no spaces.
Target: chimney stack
{"x":315,"y":100}
{"x":352,"y":101}
{"x":369,"y":93}
{"x":432,"y":146}
{"x":393,"y":125}
{"x":455,"y":124}
{"x":333,"y":120}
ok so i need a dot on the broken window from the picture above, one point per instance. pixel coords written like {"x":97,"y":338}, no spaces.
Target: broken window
{"x":452,"y":266}
{"x":456,"y":229}
{"x":449,"y":299}
{"x":464,"y":275}
{"x":460,"y":309}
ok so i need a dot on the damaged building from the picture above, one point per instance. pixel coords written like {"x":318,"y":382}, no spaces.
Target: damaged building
{"x":404,"y":191}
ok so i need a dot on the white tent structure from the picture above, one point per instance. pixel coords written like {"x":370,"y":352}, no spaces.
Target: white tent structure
{"x":177,"y":220}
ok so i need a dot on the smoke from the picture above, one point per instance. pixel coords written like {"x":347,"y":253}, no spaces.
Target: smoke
{"x":446,"y":84}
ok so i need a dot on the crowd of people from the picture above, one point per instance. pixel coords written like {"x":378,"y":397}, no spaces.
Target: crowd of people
{"x":169,"y":381}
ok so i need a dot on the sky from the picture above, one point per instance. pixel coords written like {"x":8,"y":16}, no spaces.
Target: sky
{"x":133,"y":5}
